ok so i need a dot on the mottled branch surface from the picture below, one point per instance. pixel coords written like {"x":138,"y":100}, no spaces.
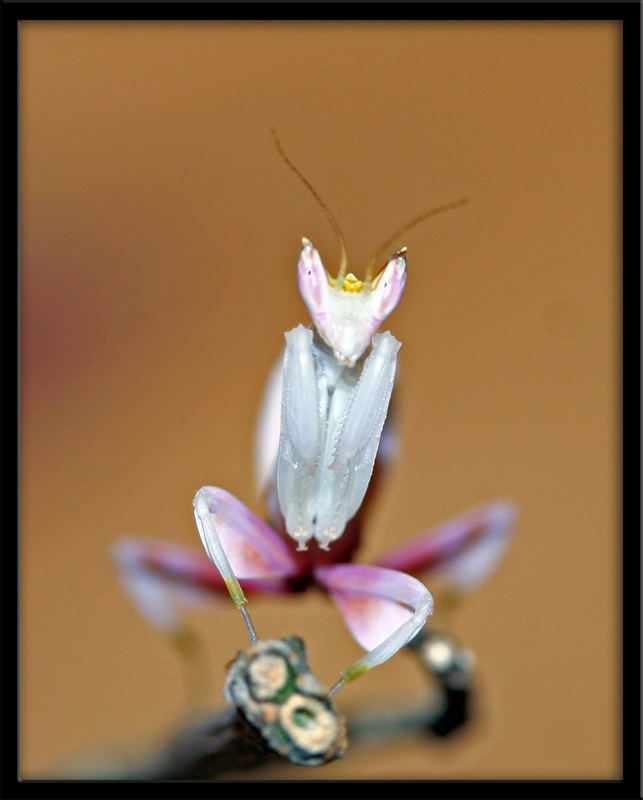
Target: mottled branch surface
{"x":276,"y":691}
{"x":279,"y":711}
{"x":213,"y":746}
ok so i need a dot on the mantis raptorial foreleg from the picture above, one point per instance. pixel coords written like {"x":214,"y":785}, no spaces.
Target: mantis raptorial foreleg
{"x":383,"y":608}
{"x":331,"y":422}
{"x":239,"y":544}
{"x":300,"y":437}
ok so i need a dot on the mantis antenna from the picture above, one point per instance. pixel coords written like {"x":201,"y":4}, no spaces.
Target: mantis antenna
{"x":431,"y":213}
{"x":344,"y":261}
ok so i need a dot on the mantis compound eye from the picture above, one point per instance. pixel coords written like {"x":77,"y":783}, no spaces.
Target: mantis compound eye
{"x":388,"y":287}
{"x":313,"y":280}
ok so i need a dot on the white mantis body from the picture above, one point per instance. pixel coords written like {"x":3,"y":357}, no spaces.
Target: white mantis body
{"x":334,"y":404}
{"x":320,"y":450}
{"x":333,"y":401}
{"x":317,"y":439}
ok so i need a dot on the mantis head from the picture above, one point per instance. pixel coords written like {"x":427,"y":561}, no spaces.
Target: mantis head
{"x":346,"y":311}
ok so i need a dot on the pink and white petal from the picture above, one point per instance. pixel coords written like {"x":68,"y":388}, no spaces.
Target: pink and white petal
{"x":267,"y":430}
{"x":252,"y":548}
{"x":465,"y":549}
{"x":383,"y":609}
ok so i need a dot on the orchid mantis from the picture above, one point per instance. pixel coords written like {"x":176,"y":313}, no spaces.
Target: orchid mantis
{"x":321,"y":434}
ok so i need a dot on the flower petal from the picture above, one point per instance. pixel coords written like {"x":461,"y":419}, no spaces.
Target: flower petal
{"x":465,"y":549}
{"x":384,"y":609}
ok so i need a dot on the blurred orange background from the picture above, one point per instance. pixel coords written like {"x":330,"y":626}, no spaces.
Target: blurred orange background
{"x":159,"y":237}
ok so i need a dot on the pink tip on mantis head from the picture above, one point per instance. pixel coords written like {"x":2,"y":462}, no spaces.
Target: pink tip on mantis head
{"x":388,"y":286}
{"x":346,"y":311}
{"x":313,"y":280}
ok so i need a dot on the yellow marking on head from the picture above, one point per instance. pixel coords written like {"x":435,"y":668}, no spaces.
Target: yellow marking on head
{"x":352,"y":284}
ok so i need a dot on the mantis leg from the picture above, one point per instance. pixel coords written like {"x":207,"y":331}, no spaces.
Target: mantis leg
{"x":331,"y":422}
{"x":383,"y":609}
{"x":239,"y":544}
{"x":300,"y":436}
{"x":464,"y":550}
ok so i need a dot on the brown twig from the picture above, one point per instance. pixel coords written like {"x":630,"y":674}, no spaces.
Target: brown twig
{"x":279,"y":711}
